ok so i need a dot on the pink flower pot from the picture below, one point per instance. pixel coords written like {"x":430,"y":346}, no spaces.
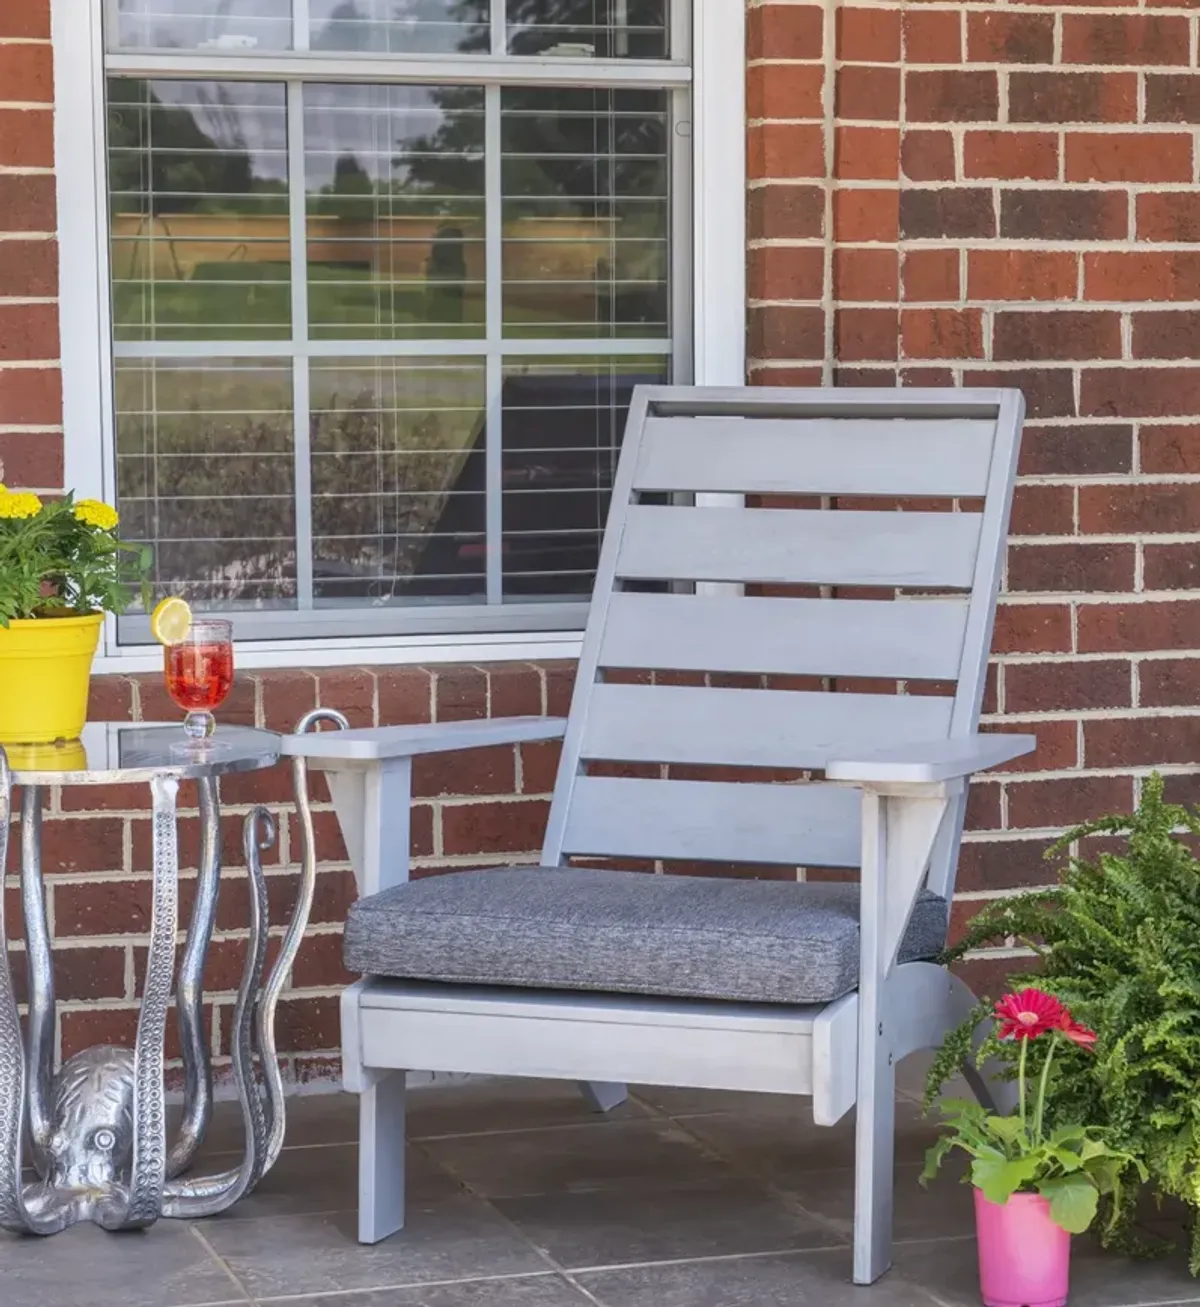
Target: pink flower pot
{"x":1024,"y":1258}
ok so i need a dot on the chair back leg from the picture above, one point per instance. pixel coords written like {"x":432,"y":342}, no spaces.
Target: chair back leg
{"x":381,"y":1139}
{"x":603,"y":1095}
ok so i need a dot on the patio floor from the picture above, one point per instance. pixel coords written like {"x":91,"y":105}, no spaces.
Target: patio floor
{"x":520,"y":1197}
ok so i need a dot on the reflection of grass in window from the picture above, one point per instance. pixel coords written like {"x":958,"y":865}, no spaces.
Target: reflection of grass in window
{"x":222,"y":301}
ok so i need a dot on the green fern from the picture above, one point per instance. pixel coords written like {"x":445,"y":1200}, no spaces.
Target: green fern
{"x":1118,"y":940}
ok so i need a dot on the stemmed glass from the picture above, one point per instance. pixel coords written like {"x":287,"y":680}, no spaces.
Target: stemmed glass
{"x":199,"y":675}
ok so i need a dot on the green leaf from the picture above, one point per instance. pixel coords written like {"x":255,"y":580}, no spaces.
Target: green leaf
{"x":1073,"y":1202}
{"x":935,"y":1156}
{"x":1000,"y":1178}
{"x":1007,"y":1128}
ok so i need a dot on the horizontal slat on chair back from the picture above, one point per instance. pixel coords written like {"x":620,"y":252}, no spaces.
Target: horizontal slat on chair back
{"x":789,"y":545}
{"x":905,"y":639}
{"x":714,"y":821}
{"x":751,"y":728}
{"x":824,"y":456}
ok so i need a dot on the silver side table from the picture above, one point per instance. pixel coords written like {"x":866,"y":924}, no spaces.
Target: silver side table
{"x":96,"y":1131}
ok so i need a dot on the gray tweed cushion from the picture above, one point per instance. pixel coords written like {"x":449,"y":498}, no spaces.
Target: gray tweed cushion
{"x":574,"y":928}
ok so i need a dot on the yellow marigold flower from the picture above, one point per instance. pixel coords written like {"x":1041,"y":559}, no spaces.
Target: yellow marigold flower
{"x":95,"y":512}
{"x":19,"y":504}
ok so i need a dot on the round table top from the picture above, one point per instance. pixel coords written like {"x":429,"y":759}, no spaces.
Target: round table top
{"x":129,"y":751}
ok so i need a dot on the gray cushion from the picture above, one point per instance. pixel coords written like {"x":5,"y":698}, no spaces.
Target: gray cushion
{"x":575,"y":928}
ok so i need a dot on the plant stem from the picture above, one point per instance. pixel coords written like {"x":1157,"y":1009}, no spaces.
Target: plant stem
{"x":1040,"y":1108}
{"x":1021,"y":1084}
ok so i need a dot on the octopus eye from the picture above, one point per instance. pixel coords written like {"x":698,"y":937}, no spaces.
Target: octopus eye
{"x":105,"y":1140}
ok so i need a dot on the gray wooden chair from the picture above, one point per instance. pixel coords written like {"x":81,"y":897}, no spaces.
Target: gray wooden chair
{"x":812,"y":986}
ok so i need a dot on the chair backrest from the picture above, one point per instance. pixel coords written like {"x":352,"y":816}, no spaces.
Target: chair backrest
{"x":784,"y":573}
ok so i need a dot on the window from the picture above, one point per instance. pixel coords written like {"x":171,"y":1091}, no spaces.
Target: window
{"x":383,"y":276}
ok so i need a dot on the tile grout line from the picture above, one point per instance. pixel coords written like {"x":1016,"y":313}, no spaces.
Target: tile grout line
{"x":198,"y":1234}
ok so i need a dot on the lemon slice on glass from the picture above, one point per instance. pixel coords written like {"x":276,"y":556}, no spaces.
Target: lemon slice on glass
{"x":171,"y":621}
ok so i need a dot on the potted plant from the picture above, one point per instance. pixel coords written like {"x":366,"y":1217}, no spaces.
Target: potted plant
{"x":1036,"y":1184}
{"x":61,"y":569}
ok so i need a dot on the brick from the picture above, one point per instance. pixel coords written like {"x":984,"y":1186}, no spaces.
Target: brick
{"x":1042,"y":510}
{"x":82,"y":974}
{"x":1171,"y":567}
{"x":926,"y":378}
{"x":786,"y":272}
{"x":1128,"y":39}
{"x":862,"y":334}
{"x":1076,"y":451}
{"x":89,"y":844}
{"x":237,"y":710}
{"x":951,"y":96}
{"x":461,"y":694}
{"x":932,"y":36}
{"x":927,"y":156}
{"x":1067,"y":802}
{"x":929,"y":214}
{"x":1057,"y":744}
{"x":930,"y":275}
{"x":319,"y":963}
{"x":1139,"y":741}
{"x":868,"y":35}
{"x":82,"y":1028}
{"x":515,"y":690}
{"x":1070,"y":215}
{"x":28,"y":20}
{"x":110,"y":699}
{"x":27,"y":202}
{"x":1070,"y":568}
{"x":1170,"y":449}
{"x":865,"y":215}
{"x":29,"y":269}
{"x":1139,"y":392}
{"x":1169,"y":682}
{"x":1049,"y":392}
{"x":26,"y":74}
{"x":867,"y":93}
{"x":993,"y":977}
{"x":1022,"y":274}
{"x":478,"y":771}
{"x":560,"y":683}
{"x":996,"y":36}
{"x":786,"y":212}
{"x":26,"y":138}
{"x":786,"y":332}
{"x":1011,"y":155}
{"x":119,"y":907}
{"x":983,"y":806}
{"x":1072,"y":97}
{"x":1056,"y":335}
{"x":1173,"y":98}
{"x":1032,"y":628}
{"x":350,"y":690}
{"x":784,"y":91}
{"x":881,"y":377}
{"x":1131,"y":157}
{"x":785,"y":150}
{"x":28,"y":331}
{"x":868,"y":153}
{"x":515,"y":827}
{"x":1136,"y":628}
{"x":785,"y":31}
{"x":1166,"y":335}
{"x":1067,"y":686}
{"x":1173,"y":216}
{"x":1003,"y":864}
{"x":1139,"y":508}
{"x":942,"y":333}
{"x":111,"y":798}
{"x":773,"y":375}
{"x":405,"y":695}
{"x":308,"y":1023}
{"x":31,"y":459}
{"x":1157,"y":275}
{"x":865,"y":274}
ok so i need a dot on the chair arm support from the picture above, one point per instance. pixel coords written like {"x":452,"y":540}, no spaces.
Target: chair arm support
{"x":929,"y":761}
{"x":379,"y":743}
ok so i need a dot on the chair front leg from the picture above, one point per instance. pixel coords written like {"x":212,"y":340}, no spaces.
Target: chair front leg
{"x":381,"y":1142}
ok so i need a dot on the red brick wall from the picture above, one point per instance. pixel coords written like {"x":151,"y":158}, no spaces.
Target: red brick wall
{"x":1001,"y":195}
{"x":938,"y":195}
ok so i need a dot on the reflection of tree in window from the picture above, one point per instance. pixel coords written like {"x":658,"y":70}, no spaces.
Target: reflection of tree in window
{"x":614,"y":29}
{"x":402,"y":26}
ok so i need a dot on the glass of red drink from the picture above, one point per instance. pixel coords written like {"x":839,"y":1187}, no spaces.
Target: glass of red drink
{"x":199,"y":675}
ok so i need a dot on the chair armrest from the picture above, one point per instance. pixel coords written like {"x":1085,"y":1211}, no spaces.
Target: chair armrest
{"x":929,"y":761}
{"x":379,"y":743}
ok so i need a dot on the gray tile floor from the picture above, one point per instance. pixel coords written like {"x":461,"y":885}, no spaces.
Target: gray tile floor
{"x":519,"y":1197}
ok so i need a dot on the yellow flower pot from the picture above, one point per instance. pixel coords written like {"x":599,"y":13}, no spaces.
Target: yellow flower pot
{"x":45,"y":667}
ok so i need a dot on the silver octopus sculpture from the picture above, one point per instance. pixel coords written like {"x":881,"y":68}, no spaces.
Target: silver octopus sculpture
{"x":97,"y":1129}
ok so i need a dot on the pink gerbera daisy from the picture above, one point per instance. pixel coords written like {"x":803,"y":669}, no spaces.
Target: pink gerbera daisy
{"x":1028,"y":1014}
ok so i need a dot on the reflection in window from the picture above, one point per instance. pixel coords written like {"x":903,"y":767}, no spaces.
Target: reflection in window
{"x":213,"y":25}
{"x":205,"y":475}
{"x":600,"y":29}
{"x":199,"y":210}
{"x":400,"y":26}
{"x":395,"y":182}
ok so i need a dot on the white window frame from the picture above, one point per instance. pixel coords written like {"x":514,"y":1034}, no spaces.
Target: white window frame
{"x":718,"y":297}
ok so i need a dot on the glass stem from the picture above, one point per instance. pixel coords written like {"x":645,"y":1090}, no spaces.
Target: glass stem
{"x":199,"y":725}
